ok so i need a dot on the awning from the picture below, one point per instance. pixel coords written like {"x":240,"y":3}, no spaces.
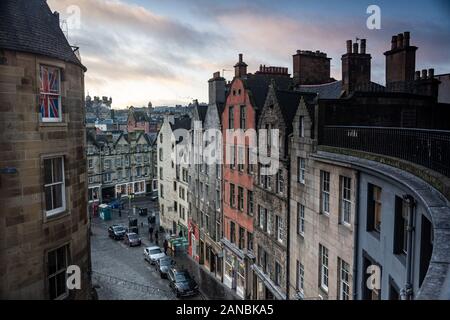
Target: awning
{"x":278,"y":294}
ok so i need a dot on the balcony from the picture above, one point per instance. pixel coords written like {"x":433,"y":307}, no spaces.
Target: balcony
{"x":428,"y":148}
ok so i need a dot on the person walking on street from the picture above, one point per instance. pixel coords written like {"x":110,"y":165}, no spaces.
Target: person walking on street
{"x":166,"y":245}
{"x":156,"y":237}
{"x":150,"y":233}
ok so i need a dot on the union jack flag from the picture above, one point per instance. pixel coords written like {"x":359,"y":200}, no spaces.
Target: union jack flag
{"x":49,"y":98}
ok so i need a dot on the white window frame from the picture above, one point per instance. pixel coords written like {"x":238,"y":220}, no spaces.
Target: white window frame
{"x":344,"y":284}
{"x":301,"y":170}
{"x":55,"y":211}
{"x":300,"y":219}
{"x":57,"y":272}
{"x":325,"y":185}
{"x":300,"y":277}
{"x":346,"y":200}
{"x":324,"y":272}
{"x":279,"y":226}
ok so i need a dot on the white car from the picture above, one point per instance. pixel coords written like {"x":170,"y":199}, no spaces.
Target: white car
{"x":152,"y":254}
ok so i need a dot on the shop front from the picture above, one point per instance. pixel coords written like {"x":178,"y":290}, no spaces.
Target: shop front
{"x":234,"y":272}
{"x":129,"y":188}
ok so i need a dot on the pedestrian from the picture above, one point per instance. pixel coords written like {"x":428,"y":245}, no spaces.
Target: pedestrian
{"x":150,"y":233}
{"x":120,"y":212}
{"x":156,"y":237}
{"x":166,"y":245}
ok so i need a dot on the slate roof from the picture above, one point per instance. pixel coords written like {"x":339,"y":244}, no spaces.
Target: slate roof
{"x":289,"y":102}
{"x":201,"y":108}
{"x":140,"y":116}
{"x":332,"y":90}
{"x":181,"y":123}
{"x":30,"y":26}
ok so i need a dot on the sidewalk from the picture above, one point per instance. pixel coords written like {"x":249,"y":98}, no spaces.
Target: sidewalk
{"x":210,"y":287}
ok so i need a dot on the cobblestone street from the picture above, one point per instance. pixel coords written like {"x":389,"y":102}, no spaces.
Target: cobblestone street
{"x":120,"y":271}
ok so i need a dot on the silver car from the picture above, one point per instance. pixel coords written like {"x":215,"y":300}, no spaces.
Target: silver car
{"x":152,"y":254}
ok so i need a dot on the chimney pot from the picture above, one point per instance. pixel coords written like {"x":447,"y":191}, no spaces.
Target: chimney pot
{"x":355,"y":47}
{"x":406,"y":37}
{"x":349,"y":46}
{"x":240,"y":57}
{"x":363,"y":46}
{"x":400,"y":40}
{"x":431,"y":73}
{"x":417,"y":76}
{"x":424,"y":73}
{"x":394,"y":43}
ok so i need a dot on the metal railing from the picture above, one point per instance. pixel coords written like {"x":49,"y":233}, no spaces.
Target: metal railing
{"x":428,"y":148}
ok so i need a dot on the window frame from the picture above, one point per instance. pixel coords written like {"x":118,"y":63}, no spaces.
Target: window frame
{"x":43,"y":119}
{"x":345,"y":200}
{"x":63,"y":208}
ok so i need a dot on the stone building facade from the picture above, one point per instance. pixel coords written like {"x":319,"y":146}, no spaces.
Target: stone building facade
{"x":119,"y":165}
{"x":173,"y":157}
{"x":44,"y":224}
{"x":206,"y":179}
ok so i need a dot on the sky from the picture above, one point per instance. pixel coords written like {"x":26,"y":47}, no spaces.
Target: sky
{"x":164,"y":51}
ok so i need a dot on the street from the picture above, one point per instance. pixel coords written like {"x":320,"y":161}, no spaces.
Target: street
{"x":120,"y":271}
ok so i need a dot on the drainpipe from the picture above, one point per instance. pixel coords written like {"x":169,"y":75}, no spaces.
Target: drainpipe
{"x":407,"y":291}
{"x":288,"y":223}
{"x":355,"y":237}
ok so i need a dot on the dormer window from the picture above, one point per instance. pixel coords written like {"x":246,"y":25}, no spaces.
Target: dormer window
{"x":50,"y":94}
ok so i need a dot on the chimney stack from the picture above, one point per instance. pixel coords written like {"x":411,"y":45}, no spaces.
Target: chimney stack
{"x":431,"y":73}
{"x":356,"y":67}
{"x":400,"y":61}
{"x":240,"y":68}
{"x":311,"y":67}
{"x":216,"y":88}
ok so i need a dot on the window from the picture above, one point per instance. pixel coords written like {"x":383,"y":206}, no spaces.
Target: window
{"x":250,"y":205}
{"x":207,"y":222}
{"x":241,"y":160}
{"x":232,"y":156}
{"x":50,"y":94}
{"x":160,"y":154}
{"x":249,"y":241}
{"x":232,"y":195}
{"x":262,"y":218}
{"x":301,"y":126}
{"x":241,"y":238}
{"x":280,"y":182}
{"x":277,"y":273}
{"x":279,"y":228}
{"x":232,"y":232}
{"x":231,"y":117}
{"x":161,"y":190}
{"x":401,"y":226}
{"x":240,"y":199}
{"x":161,"y":138}
{"x":174,"y":186}
{"x":91,"y":163}
{"x":54,"y":186}
{"x":138,"y":171}
{"x":300,"y":277}
{"x":118,"y":162}
{"x":323,"y":270}
{"x":161,"y":177}
{"x":93,"y":194}
{"x":242,"y":117}
{"x":325,"y":191}
{"x":218,"y":201}
{"x":57,"y":262}
{"x":373,"y":208}
{"x":301,"y":170}
{"x":346,"y":199}
{"x":269,"y":222}
{"x":300,"y":219}
{"x":107,"y":164}
{"x":344,"y":280}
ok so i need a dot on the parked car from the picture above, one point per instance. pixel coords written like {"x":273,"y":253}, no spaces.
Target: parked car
{"x":182,"y":283}
{"x":132,"y":239}
{"x":154,"y":196}
{"x":117,"y":232}
{"x":163,"y":265}
{"x":152,"y":254}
